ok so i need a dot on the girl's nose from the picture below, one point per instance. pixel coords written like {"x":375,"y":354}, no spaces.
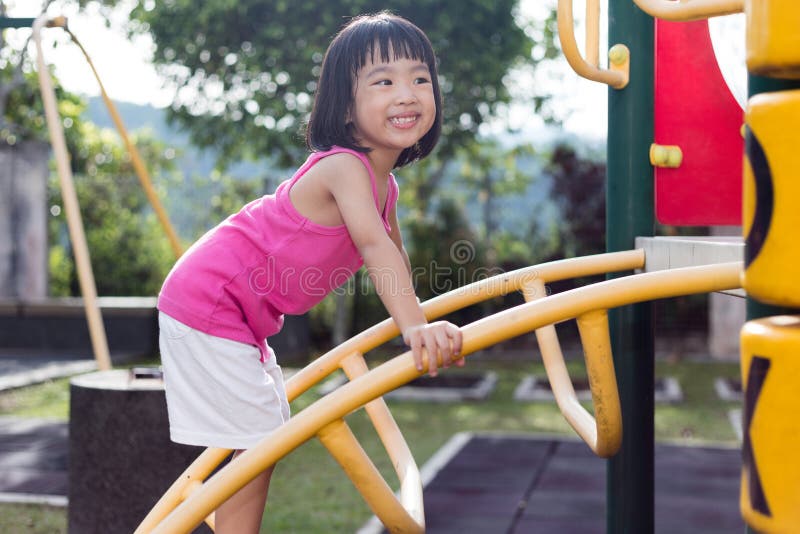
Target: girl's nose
{"x":405,"y":95}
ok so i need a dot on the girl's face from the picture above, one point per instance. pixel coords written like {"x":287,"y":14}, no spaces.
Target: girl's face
{"x":393,"y":105}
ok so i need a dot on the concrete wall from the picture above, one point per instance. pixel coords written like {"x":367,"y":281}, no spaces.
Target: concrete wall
{"x":58,"y":326}
{"x":23,"y":219}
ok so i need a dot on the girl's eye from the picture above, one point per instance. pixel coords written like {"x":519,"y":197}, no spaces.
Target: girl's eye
{"x":383,"y":82}
{"x":422,"y":80}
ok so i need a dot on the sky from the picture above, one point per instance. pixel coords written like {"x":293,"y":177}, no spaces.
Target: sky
{"x":125,"y":69}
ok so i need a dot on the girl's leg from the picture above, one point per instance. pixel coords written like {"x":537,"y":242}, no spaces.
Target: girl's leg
{"x":242,"y":513}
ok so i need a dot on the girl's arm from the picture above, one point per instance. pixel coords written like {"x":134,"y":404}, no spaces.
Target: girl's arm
{"x":397,"y":237}
{"x":348,"y":182}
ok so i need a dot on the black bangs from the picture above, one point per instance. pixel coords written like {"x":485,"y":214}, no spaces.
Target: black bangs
{"x":382,"y":36}
{"x":392,"y":43}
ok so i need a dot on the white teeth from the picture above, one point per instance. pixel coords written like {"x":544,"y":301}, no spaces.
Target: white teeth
{"x":403,"y":120}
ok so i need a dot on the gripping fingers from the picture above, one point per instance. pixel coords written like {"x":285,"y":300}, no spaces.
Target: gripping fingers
{"x":416,"y":351}
{"x":441,"y":339}
{"x":443,"y":346}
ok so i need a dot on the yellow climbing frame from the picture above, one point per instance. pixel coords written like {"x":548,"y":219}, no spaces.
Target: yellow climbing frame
{"x":190,"y":500}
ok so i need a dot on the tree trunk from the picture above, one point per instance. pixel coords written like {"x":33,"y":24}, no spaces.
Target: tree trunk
{"x":23,"y":219}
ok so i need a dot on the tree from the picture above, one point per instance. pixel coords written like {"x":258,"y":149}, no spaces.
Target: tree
{"x":245,"y":71}
{"x":129,"y":251}
{"x":579,"y":189}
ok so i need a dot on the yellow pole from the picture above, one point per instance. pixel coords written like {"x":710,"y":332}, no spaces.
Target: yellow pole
{"x":344,"y":447}
{"x":602,"y":433}
{"x":394,"y":443}
{"x":460,"y":298}
{"x":138,"y":166}
{"x":80,"y":249}
{"x":615,"y":76}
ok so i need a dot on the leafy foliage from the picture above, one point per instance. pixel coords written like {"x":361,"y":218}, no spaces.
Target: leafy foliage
{"x":579,"y":189}
{"x":129,"y":251}
{"x":245,"y":71}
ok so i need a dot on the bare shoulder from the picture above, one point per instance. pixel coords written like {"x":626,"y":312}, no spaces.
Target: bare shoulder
{"x":341,"y":167}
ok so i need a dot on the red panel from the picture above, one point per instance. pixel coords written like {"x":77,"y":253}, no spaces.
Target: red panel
{"x":694,"y":109}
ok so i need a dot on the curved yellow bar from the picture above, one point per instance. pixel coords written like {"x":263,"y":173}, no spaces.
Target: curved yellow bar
{"x":617,"y":74}
{"x":401,"y":370}
{"x":347,"y":356}
{"x":602,"y":433}
{"x":405,"y":467}
{"x":136,"y":160}
{"x":685,"y":10}
{"x":462,"y":297}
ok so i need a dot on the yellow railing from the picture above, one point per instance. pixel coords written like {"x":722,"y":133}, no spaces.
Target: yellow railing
{"x":618,"y":70}
{"x":348,"y":357}
{"x":324,"y":418}
{"x":603,"y":437}
{"x":685,"y":10}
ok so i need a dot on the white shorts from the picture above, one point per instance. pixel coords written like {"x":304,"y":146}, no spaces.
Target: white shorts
{"x":219,"y":393}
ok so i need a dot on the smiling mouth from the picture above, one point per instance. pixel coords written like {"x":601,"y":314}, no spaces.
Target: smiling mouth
{"x":404,"y":121}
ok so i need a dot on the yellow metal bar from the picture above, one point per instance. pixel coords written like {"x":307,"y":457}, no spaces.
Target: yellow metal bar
{"x":462,"y":297}
{"x":183,"y":487}
{"x":593,"y":328}
{"x":138,"y":166}
{"x":686,"y":10}
{"x":401,"y":370}
{"x":465,"y":296}
{"x":344,"y":447}
{"x":394,"y":443}
{"x":618,"y":73}
{"x":593,"y":32}
{"x":80,"y":248}
{"x":602,"y":433}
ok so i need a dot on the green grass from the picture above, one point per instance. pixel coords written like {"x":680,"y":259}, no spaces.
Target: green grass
{"x":32,"y":519}
{"x":310,"y":476}
{"x":50,"y":399}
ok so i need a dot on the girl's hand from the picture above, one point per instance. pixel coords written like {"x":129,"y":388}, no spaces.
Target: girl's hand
{"x":439,"y":339}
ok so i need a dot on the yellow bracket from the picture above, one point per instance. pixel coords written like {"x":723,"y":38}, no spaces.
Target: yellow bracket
{"x":666,"y":156}
{"x":603,"y":432}
{"x":685,"y":10}
{"x":617,"y":74}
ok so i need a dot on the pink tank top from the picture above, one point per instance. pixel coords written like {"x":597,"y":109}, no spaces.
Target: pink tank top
{"x":267,"y":260}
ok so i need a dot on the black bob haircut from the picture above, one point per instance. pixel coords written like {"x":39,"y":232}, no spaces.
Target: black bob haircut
{"x":380,"y":34}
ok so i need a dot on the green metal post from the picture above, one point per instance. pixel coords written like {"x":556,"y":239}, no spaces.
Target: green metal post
{"x":630,"y":213}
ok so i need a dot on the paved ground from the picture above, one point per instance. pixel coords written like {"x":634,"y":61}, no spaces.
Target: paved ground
{"x":489,"y":484}
{"x":521,"y":485}
{"x":33,"y":460}
{"x":493,"y":484}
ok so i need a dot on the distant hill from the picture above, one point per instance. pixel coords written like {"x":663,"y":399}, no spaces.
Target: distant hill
{"x":195,"y":163}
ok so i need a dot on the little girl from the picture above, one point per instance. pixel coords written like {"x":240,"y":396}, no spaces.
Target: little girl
{"x":377,"y":107}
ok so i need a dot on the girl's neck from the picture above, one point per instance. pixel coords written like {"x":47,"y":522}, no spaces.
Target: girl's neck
{"x":382,"y":161}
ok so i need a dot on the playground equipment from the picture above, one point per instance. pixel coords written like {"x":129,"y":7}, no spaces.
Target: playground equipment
{"x":769,"y":493}
{"x":769,"y":490}
{"x":70,"y":198}
{"x":71,"y":207}
{"x":769,"y":497}
{"x":190,"y":501}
